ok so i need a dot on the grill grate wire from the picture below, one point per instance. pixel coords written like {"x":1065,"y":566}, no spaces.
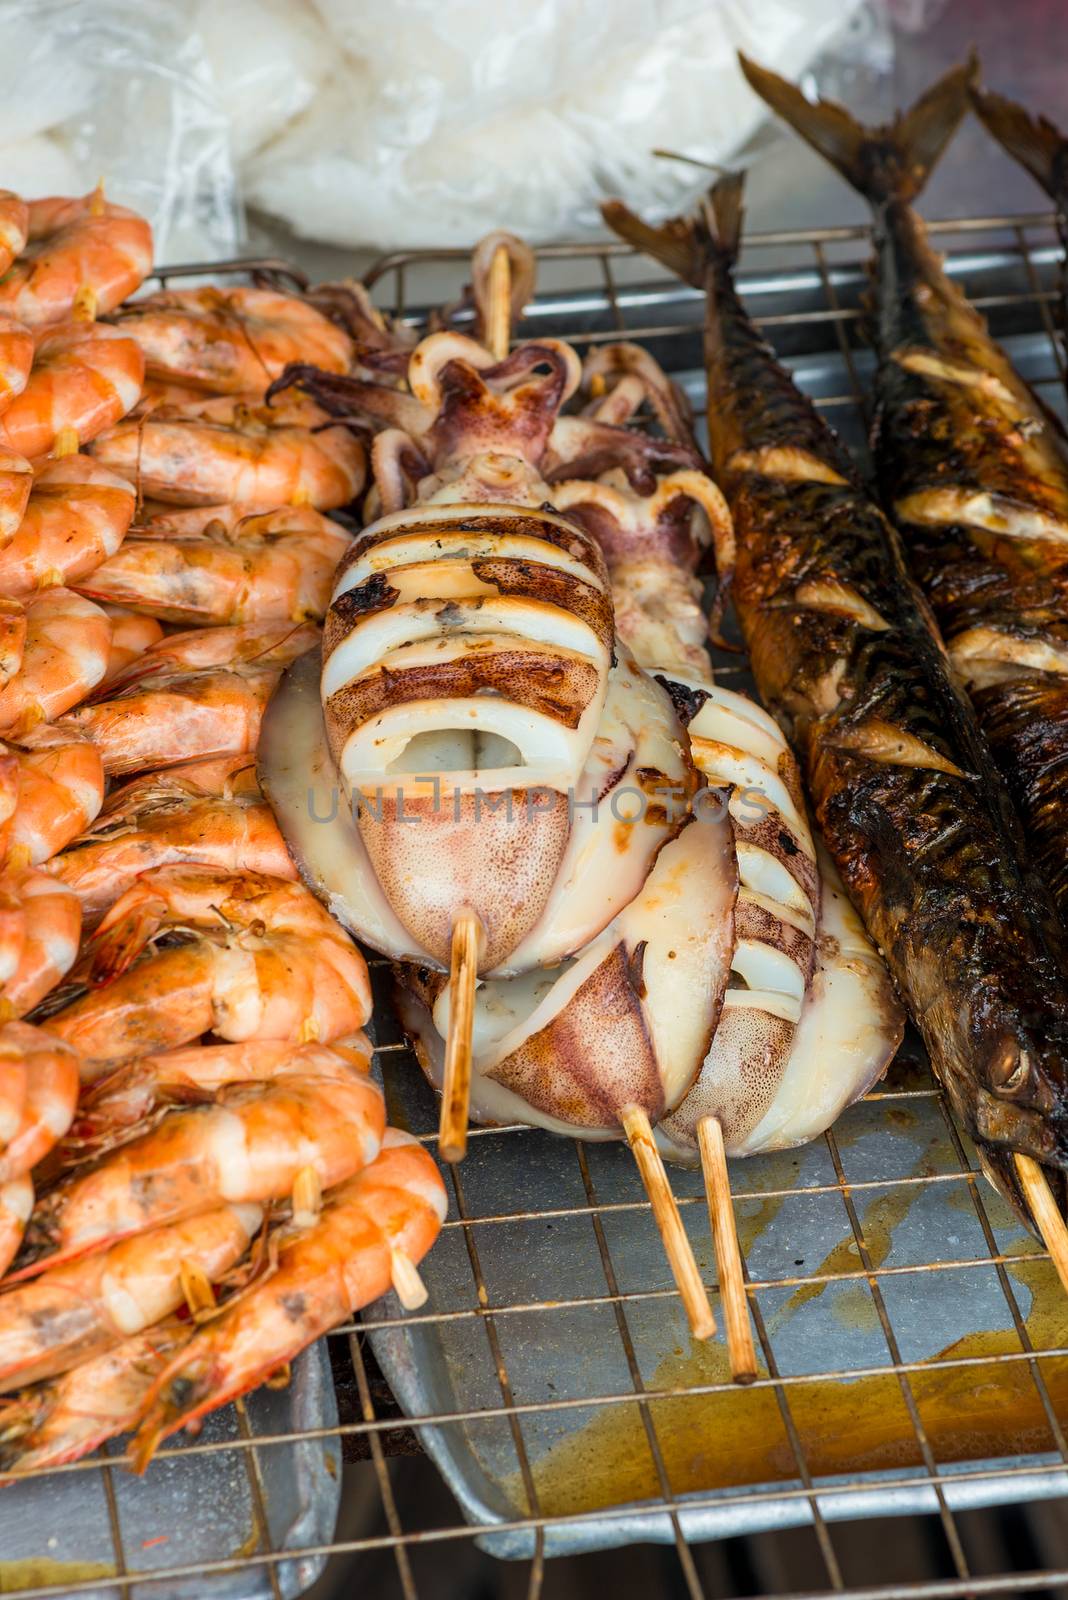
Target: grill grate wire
{"x":805,"y":291}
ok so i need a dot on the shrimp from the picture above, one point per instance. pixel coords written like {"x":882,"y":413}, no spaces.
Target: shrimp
{"x":169,"y":817}
{"x":14,"y":227}
{"x":257,"y":456}
{"x":190,"y":696}
{"x":52,"y":1081}
{"x":190,"y":949}
{"x":67,"y":1417}
{"x":16,"y":481}
{"x":250,"y":1146}
{"x":16,"y":357}
{"x":85,"y":377}
{"x":52,"y":923}
{"x":131,"y":1095}
{"x":231,"y":341}
{"x":60,"y":778}
{"x":79,"y":253}
{"x":371,"y":1233}
{"x":271,"y":566}
{"x":76,"y":517}
{"x":75,"y":1311}
{"x":64,"y":656}
{"x":16,"y":1204}
{"x":131,"y":635}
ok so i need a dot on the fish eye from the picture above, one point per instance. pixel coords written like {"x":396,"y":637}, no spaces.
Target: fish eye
{"x":1009,"y":1075}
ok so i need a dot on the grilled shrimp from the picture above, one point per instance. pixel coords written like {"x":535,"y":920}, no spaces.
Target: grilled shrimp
{"x":16,"y":481}
{"x":128,"y":1097}
{"x":75,"y":1311}
{"x":210,"y":812}
{"x":258,"y":456}
{"x":16,"y":357}
{"x":231,"y":341}
{"x":51,"y":1069}
{"x":190,"y":696}
{"x":64,"y":656}
{"x":131,"y":635}
{"x":14,"y":227}
{"x":244,"y":955}
{"x":60,"y":789}
{"x":52,"y":921}
{"x":371,"y":1232}
{"x":83,"y":252}
{"x":77,"y":516}
{"x":67,"y":1417}
{"x":276,"y":565}
{"x":319,"y":1124}
{"x":16,"y":1203}
{"x":85,"y":376}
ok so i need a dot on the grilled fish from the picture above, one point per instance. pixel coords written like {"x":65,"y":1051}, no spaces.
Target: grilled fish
{"x":972,"y":465}
{"x":1038,"y":146}
{"x":905,"y":792}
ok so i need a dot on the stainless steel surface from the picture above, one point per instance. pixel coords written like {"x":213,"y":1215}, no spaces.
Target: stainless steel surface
{"x":907,"y":1324}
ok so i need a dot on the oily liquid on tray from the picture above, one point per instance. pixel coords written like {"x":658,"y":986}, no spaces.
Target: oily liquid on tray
{"x":714,"y":1441}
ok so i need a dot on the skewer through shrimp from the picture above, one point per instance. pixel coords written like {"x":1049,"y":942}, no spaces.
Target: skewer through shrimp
{"x":85,"y":377}
{"x":258,"y":456}
{"x":371,"y":1233}
{"x":76,"y":517}
{"x":52,"y":921}
{"x":81,"y":251}
{"x":190,"y":696}
{"x":318,"y":1124}
{"x":191,"y":949}
{"x":59,"y":780}
{"x":75,"y":1311}
{"x":210,"y":812}
{"x":65,"y":654}
{"x":231,"y":341}
{"x":277,"y":565}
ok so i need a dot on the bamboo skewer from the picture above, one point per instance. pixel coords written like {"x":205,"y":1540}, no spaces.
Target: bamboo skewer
{"x":740,"y":1348}
{"x":676,"y":1243}
{"x":1051,"y":1225}
{"x":408,"y":1286}
{"x":456,"y":1088}
{"x":499,"y":308}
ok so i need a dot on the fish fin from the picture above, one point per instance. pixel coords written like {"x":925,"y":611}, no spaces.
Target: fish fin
{"x":892,"y":162}
{"x":1039,"y":146}
{"x":681,"y":243}
{"x":687,"y":244}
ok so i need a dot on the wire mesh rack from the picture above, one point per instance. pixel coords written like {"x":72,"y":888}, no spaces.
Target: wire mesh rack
{"x":913,"y":1339}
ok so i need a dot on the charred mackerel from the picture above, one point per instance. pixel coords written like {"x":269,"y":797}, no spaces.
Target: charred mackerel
{"x":904,"y":789}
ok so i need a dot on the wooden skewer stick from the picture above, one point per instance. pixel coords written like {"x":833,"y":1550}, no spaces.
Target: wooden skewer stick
{"x":307,"y":1197}
{"x":409,"y":1287}
{"x":499,"y":310}
{"x":456,"y":1089}
{"x":65,"y":442}
{"x":197,"y":1291}
{"x":1046,"y":1212}
{"x":728,"y":1257}
{"x":676,"y":1243}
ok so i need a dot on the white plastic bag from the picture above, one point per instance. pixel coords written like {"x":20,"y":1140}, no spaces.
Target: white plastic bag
{"x":436,"y":120}
{"x":121,"y":91}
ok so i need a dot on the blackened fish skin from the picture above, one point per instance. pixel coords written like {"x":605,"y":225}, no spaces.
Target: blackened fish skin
{"x":905,"y":792}
{"x":972,"y":466}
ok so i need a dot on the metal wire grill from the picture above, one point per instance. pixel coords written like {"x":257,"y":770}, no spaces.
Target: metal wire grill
{"x":805,"y":290}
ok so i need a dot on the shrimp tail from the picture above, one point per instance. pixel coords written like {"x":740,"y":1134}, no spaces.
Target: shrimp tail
{"x":891,"y":162}
{"x":116,"y":944}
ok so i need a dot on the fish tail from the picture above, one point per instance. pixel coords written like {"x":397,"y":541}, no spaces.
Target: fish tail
{"x":892,"y":162}
{"x":688,"y":245}
{"x":1034,"y":142}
